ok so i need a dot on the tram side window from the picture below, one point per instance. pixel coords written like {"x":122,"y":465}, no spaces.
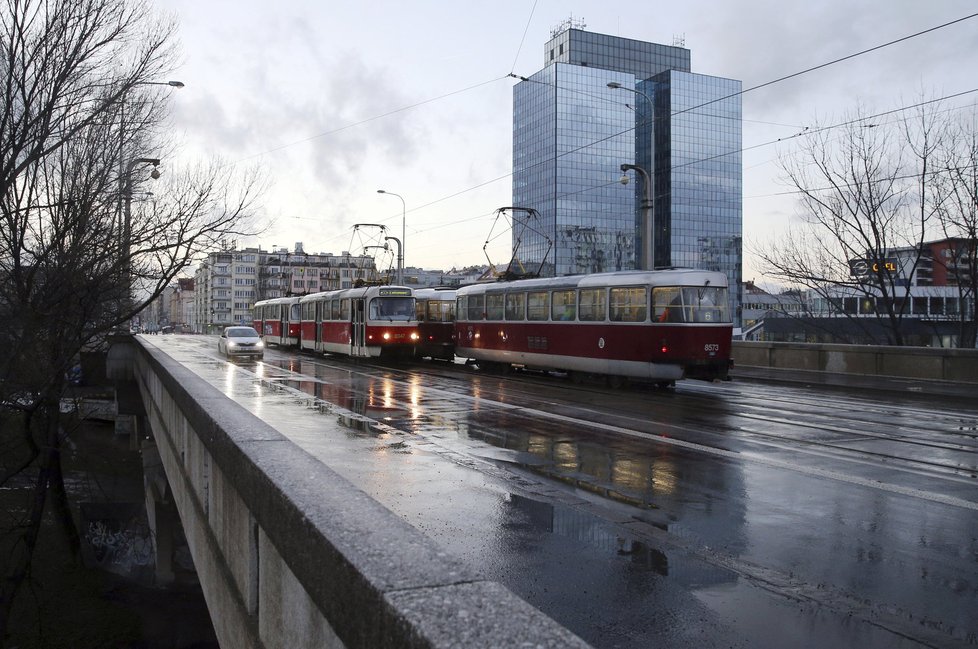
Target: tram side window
{"x":629,"y":304}
{"x":461,"y":306}
{"x":441,"y":311}
{"x":593,"y":305}
{"x":494,"y":306}
{"x":667,"y":304}
{"x":515,"y":306}
{"x":537,"y":305}
{"x":476,"y":307}
{"x":334,"y":310}
{"x":564,"y":305}
{"x":294,"y":312}
{"x":345,"y":309}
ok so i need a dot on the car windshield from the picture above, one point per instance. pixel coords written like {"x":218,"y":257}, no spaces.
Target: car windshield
{"x":242,"y":332}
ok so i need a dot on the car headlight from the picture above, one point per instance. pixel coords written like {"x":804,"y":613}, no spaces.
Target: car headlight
{"x":231,"y":343}
{"x":261,"y":344}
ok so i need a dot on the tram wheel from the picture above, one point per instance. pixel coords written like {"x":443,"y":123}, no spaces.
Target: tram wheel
{"x":617,"y":382}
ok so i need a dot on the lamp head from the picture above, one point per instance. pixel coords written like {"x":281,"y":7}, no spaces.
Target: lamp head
{"x":624,"y":179}
{"x":155,"y":173}
{"x":614,"y":85}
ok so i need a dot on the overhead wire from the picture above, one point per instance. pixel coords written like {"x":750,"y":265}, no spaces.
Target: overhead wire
{"x":523,"y":39}
{"x":599,"y":141}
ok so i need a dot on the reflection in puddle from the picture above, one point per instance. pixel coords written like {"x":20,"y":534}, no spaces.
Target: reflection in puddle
{"x":588,"y":529}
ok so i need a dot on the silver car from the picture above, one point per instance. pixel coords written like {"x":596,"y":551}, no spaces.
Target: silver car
{"x":241,"y":341}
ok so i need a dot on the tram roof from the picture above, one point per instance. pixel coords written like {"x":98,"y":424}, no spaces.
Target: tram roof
{"x":356,"y":291}
{"x":443,"y":292}
{"x":662,"y":277}
{"x":279,"y":300}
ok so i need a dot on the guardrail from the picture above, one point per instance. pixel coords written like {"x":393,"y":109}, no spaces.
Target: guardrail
{"x":290,"y":554}
{"x":929,"y":363}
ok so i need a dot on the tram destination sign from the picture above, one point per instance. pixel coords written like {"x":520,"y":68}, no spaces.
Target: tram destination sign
{"x":394,"y":292}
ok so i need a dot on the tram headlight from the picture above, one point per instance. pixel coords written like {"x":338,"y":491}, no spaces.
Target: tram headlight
{"x":387,"y":335}
{"x":414,"y":335}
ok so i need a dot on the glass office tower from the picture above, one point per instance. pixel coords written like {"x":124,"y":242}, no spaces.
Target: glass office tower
{"x":572,"y":132}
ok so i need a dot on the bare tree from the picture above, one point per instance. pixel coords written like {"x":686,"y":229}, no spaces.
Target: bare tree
{"x":865,"y":190}
{"x":958,"y":217}
{"x":81,"y":106}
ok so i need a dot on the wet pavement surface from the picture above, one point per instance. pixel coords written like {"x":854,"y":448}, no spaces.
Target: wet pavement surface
{"x":740,"y":514}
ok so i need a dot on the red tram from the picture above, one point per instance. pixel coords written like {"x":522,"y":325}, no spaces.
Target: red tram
{"x":659,"y":326}
{"x":371,"y":321}
{"x":277,"y":320}
{"x":435,"y":308}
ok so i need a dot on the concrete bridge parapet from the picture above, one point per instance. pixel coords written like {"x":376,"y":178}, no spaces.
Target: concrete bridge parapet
{"x":928,"y":366}
{"x":289,"y":554}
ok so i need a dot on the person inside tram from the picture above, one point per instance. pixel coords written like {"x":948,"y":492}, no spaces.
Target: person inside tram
{"x":568,"y":313}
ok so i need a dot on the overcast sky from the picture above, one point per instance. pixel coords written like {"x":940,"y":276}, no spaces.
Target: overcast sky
{"x":335,"y":100}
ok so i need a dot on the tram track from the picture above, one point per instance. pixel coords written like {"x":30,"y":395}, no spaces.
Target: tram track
{"x":639,"y":428}
{"x":815,"y":419}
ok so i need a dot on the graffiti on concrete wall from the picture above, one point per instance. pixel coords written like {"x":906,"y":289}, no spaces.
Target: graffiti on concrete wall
{"x":119,"y":549}
{"x":116,"y":537}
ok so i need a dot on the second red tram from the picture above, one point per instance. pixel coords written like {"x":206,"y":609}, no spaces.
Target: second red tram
{"x":277,"y":320}
{"x":370,"y":321}
{"x":660,"y":326}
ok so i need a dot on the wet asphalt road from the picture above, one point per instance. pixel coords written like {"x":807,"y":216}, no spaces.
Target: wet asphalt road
{"x":741,"y":514}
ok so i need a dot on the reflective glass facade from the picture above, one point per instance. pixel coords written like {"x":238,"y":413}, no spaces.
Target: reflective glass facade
{"x":698,"y":173}
{"x":571,"y":134}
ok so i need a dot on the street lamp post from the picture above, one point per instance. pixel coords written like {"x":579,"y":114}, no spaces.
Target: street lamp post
{"x":125,"y":180}
{"x":648,"y":258}
{"x":122,"y":130}
{"x":401,"y":243}
{"x":648,"y":193}
{"x":126,"y":251}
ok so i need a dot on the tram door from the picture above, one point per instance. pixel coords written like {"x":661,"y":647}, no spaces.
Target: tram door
{"x":358,"y":340}
{"x":318,"y":317}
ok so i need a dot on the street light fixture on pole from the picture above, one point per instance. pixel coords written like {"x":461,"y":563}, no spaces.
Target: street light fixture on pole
{"x":127,"y":222}
{"x":401,"y":243}
{"x":648,"y":193}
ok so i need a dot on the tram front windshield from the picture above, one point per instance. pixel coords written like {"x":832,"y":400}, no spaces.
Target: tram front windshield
{"x":690,"y":304}
{"x":392,"y":308}
{"x":706,"y":304}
